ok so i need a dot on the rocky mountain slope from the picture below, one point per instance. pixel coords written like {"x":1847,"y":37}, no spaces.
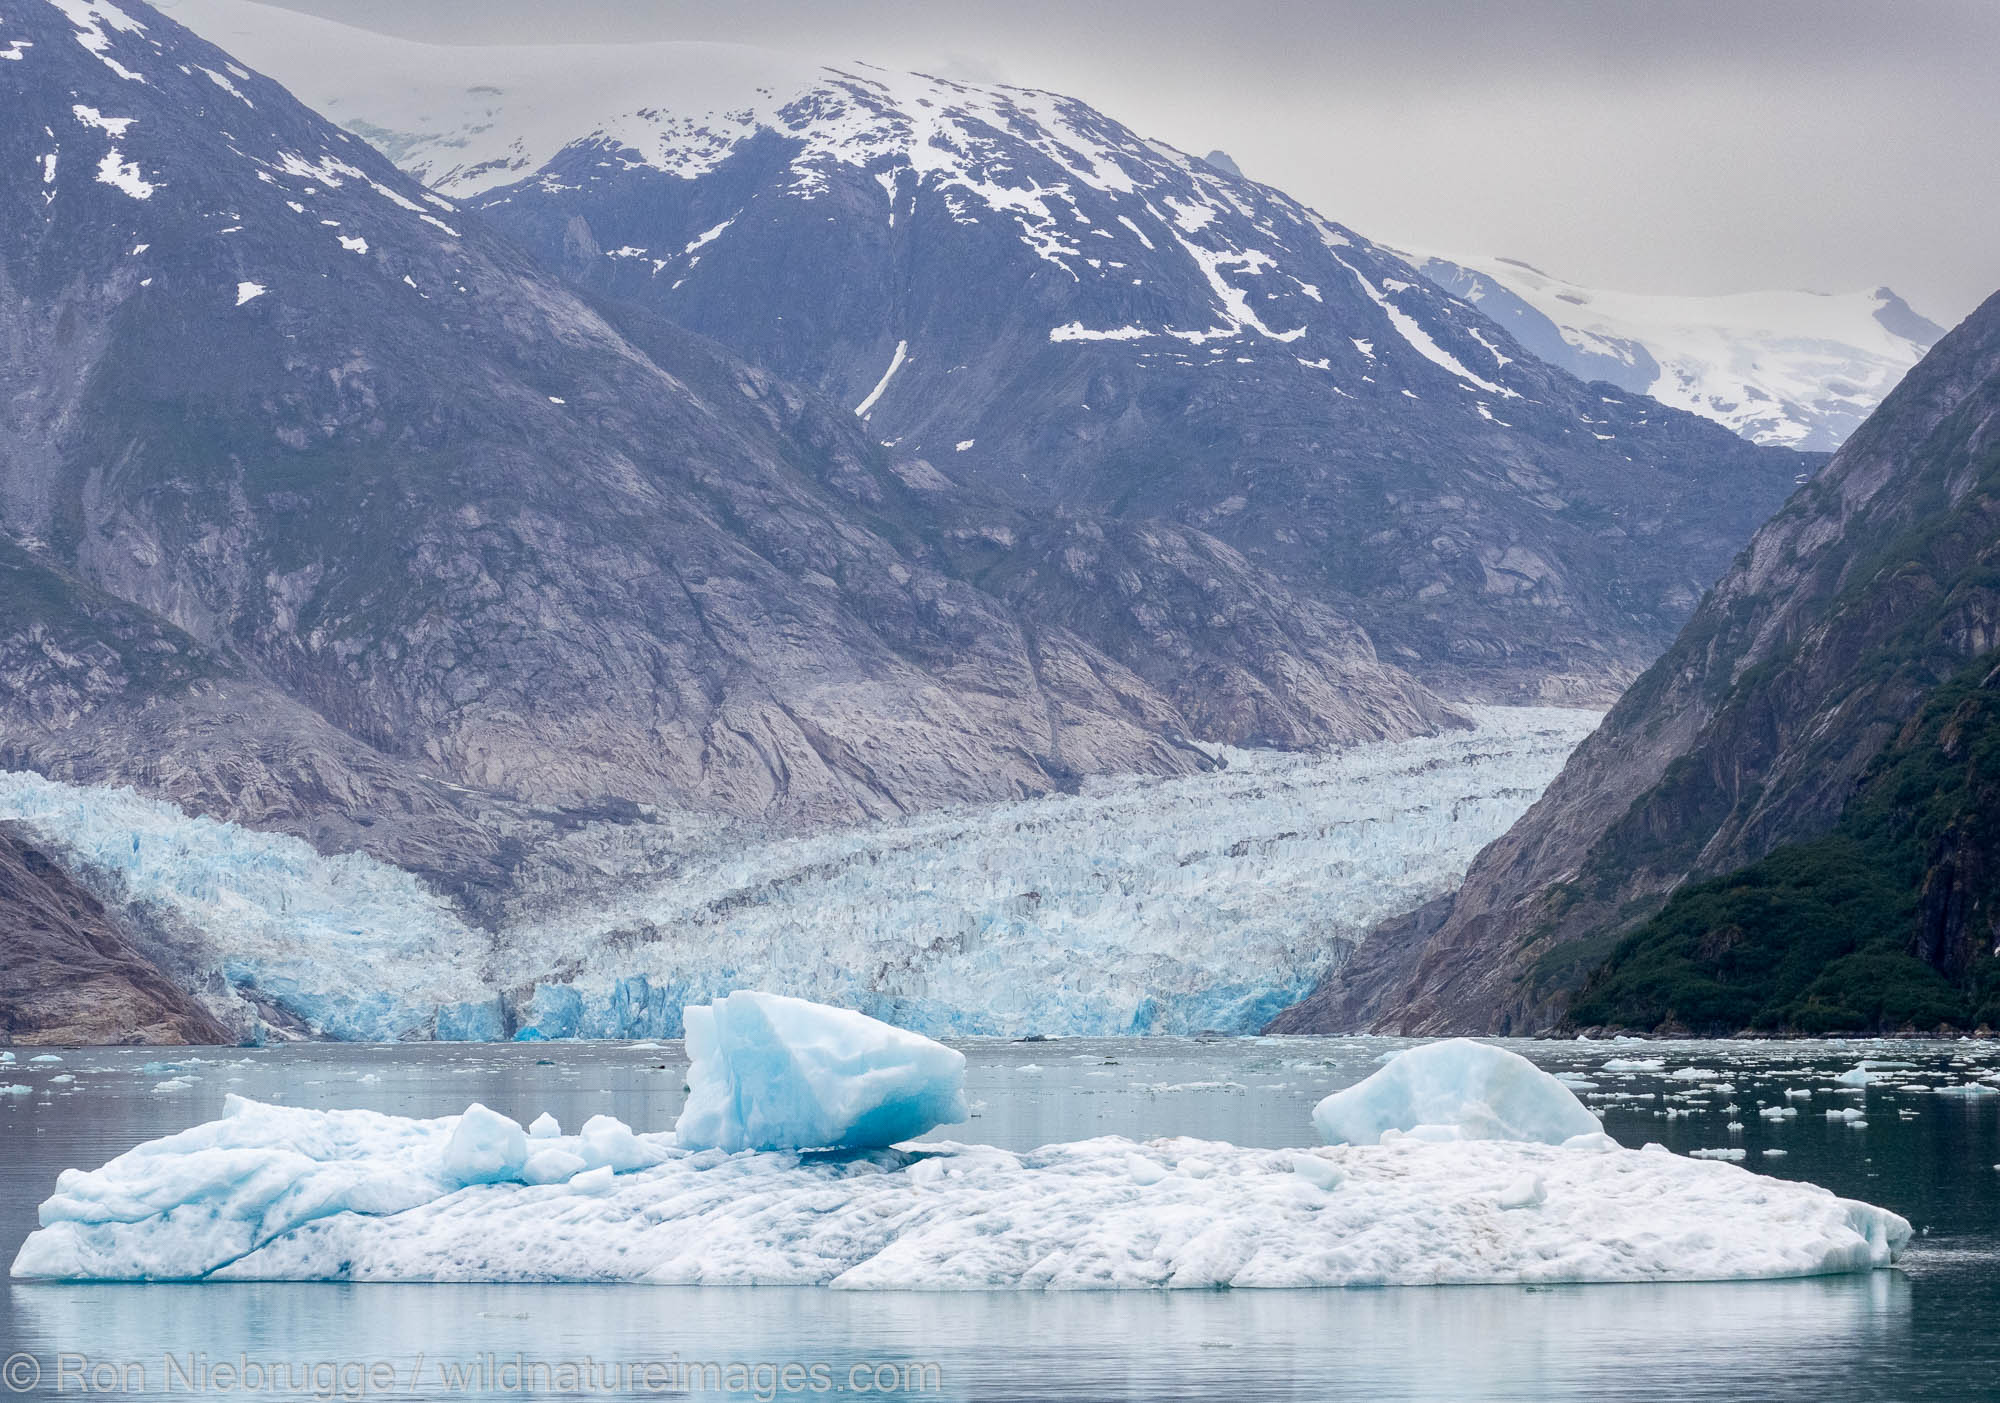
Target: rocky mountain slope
{"x":69,"y":974}
{"x":1800,"y":369}
{"x":1798,"y":699}
{"x":1016,"y":293}
{"x":302,"y":453}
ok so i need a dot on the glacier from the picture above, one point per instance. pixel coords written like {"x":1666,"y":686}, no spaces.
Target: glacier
{"x":277,"y":1193}
{"x":775,"y":1073}
{"x":1135,"y":906}
{"x":1796,"y":369}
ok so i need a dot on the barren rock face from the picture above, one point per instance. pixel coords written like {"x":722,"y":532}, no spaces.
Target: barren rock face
{"x":1027,"y":297}
{"x":1873,"y":585}
{"x":69,"y":974}
{"x":323,"y":430}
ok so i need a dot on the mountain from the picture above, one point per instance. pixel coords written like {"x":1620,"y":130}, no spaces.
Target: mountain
{"x":337,"y":514}
{"x":70,"y":974}
{"x":1810,"y":772}
{"x":1800,"y":369}
{"x":1020,"y":297}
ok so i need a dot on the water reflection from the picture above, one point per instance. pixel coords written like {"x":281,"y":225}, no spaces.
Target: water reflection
{"x":1733,"y":1341}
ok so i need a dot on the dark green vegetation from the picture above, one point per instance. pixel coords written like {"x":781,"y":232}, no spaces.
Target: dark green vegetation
{"x":1780,"y":824}
{"x":1885,"y":923}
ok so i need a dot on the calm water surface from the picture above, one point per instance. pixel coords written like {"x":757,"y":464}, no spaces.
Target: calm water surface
{"x":1929,"y":1329}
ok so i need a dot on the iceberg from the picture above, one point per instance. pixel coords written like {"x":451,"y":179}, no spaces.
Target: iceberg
{"x":1456,"y":1090}
{"x":776,"y":1073}
{"x":271,"y":1193}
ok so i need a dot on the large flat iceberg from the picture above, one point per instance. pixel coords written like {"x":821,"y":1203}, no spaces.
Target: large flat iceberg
{"x":778,"y":1073}
{"x":272,"y":1193}
{"x":1456,"y":1090}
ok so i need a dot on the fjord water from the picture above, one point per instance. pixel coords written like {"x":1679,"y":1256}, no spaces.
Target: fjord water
{"x":1923,"y":1330}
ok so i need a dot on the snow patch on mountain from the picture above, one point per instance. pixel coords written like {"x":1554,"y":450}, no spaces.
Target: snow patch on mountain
{"x":1797,"y":369}
{"x":470,"y":120}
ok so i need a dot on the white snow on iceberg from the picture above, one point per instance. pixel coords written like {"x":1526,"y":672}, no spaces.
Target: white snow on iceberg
{"x":1456,"y":1090}
{"x":775,"y":1073}
{"x":272,"y":1193}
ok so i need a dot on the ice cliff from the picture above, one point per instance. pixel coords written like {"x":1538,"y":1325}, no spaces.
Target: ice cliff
{"x":1135,"y":906}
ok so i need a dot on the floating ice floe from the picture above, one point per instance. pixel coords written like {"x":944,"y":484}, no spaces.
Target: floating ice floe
{"x":778,"y":1073}
{"x":1456,"y":1090}
{"x":275,"y":1193}
{"x":1456,"y":1163}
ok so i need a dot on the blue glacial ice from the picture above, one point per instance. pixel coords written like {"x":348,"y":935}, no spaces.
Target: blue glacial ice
{"x":361,"y":950}
{"x":1136,"y":906}
{"x":275,"y":1193}
{"x":1456,"y":1090}
{"x":777,"y":1073}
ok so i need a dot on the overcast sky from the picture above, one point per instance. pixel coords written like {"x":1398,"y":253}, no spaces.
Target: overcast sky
{"x":1680,"y":146}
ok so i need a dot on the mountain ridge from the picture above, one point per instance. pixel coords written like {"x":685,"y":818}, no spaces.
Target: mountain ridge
{"x":320,"y":420}
{"x":1026,"y":298}
{"x":1867,"y":593}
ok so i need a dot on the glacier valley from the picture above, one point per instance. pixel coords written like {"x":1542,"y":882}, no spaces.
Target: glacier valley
{"x":1135,"y":906}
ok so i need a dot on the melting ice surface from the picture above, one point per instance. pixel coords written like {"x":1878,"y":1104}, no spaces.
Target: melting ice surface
{"x":1136,"y":906}
{"x":275,"y":1193}
{"x":1456,"y":1090}
{"x":775,"y":1073}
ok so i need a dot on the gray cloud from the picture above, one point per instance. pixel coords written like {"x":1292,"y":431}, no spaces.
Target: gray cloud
{"x":1679,"y":146}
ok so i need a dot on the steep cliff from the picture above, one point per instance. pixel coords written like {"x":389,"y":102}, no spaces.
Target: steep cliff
{"x":70,"y":974}
{"x":1876,"y":584}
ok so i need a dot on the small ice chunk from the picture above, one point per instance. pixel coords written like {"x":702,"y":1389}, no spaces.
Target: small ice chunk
{"x":1143,"y":1170}
{"x":1459,"y":1090}
{"x":1776,"y":1154}
{"x":544,"y":1127}
{"x":1320,"y":1173}
{"x":777,"y":1073}
{"x":485,"y":1148}
{"x":608,"y":1142}
{"x":592,"y":1181}
{"x":1732,"y":1152}
{"x":1636,"y":1064}
{"x":1528,"y":1191}
{"x":47,"y":1059}
{"x":1857,"y":1075}
{"x":17,"y":1089}
{"x":552,"y":1166}
{"x":245,"y":292}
